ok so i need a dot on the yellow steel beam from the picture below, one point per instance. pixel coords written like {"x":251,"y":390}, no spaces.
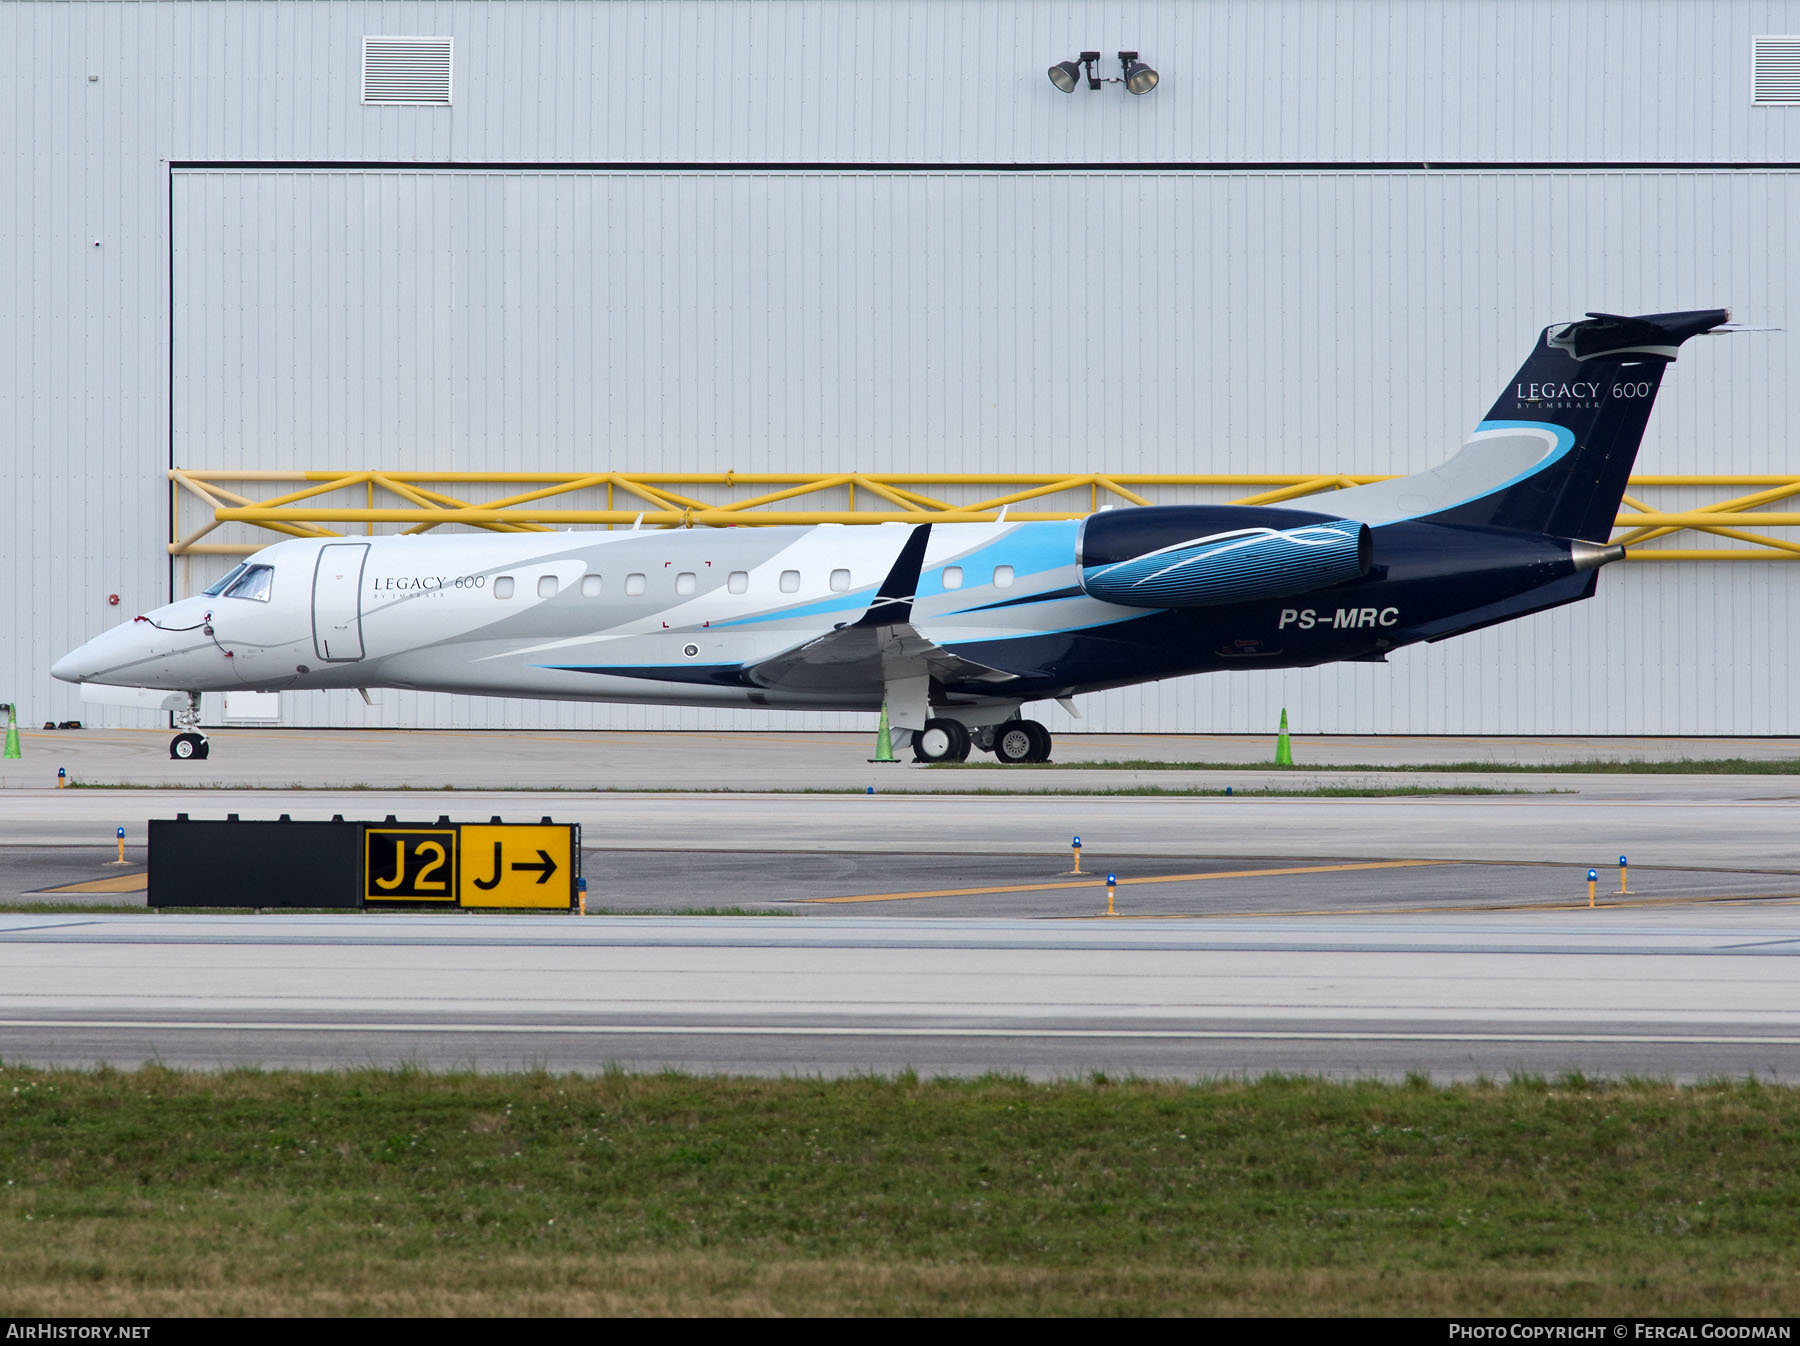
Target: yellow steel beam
{"x":1110,"y":484}
{"x":1710,"y":554}
{"x":213,"y":494}
{"x":1311,"y":486}
{"x":451,"y":502}
{"x":735,"y":478}
{"x":1035,"y":492}
{"x":727,"y":514}
{"x":1738,"y":504}
{"x":886,"y":492}
{"x":806,"y":487}
{"x":723,"y":516}
{"x":418,"y":501}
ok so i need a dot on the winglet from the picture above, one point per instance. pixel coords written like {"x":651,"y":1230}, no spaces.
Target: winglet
{"x":893,"y":604}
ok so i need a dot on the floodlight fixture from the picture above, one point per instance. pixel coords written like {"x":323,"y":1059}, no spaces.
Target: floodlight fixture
{"x":1134,"y":74}
{"x":1139,"y":78}
{"x":1065,"y":75}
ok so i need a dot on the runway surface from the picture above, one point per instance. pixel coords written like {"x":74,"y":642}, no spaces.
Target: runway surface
{"x":1675,"y":993}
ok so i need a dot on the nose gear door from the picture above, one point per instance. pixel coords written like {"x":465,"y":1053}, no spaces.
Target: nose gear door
{"x":337,"y":601}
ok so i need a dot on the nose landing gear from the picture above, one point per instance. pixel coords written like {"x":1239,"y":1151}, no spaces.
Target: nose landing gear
{"x":184,"y":747}
{"x":188,"y":745}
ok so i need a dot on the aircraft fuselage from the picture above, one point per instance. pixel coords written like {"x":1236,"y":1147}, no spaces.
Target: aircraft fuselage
{"x":950,"y":625}
{"x":689,"y":617}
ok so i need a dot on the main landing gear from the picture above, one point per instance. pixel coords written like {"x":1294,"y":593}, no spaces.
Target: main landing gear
{"x":950,"y":741}
{"x":942,"y":741}
{"x":188,"y":745}
{"x":1022,"y":741}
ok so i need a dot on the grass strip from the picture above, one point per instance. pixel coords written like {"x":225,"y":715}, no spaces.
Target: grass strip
{"x":1603,"y":766}
{"x":1183,"y":791}
{"x":157,"y":1193}
{"x":1254,"y":792}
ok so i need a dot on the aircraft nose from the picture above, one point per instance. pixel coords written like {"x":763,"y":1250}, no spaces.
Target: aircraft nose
{"x":116,"y":656}
{"x":73,"y":666}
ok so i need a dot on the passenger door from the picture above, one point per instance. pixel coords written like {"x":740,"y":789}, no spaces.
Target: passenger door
{"x":337,"y":601}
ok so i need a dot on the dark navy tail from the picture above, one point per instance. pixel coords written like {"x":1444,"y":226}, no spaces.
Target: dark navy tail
{"x":1572,"y":419}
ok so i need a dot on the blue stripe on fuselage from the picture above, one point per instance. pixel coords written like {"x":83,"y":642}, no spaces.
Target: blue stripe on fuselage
{"x":1029,"y":548}
{"x":850,"y":602}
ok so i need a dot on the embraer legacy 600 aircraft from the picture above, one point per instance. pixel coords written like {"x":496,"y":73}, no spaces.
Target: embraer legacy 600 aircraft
{"x":954,"y":626}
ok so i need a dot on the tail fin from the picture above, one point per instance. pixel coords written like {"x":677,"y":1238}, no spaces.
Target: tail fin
{"x":1568,"y":426}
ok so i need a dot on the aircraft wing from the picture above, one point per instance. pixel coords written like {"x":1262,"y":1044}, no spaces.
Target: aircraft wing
{"x":879,"y":648}
{"x":866,"y":657}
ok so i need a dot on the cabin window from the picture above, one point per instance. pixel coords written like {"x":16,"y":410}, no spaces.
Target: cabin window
{"x":738,"y":582}
{"x":503,"y":586}
{"x":546,"y":586}
{"x":590,"y":586}
{"x":840,"y":581}
{"x":1003,"y":577}
{"x":953,"y":577}
{"x":225,"y":581}
{"x":684,"y":582}
{"x":255,"y":582}
{"x":634,"y":585}
{"x":790,"y":581}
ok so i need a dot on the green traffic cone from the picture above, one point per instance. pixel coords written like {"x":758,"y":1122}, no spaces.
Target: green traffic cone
{"x":12,"y":732}
{"x":1284,"y":754}
{"x":884,"y":743}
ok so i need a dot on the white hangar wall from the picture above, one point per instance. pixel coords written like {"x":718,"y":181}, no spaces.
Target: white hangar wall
{"x":1281,"y":321}
{"x":770,"y":255}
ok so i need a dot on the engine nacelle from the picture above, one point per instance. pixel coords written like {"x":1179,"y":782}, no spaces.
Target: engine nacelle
{"x":1199,"y":556}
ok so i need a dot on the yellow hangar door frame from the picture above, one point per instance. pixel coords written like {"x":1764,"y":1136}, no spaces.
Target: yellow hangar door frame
{"x":1738,"y":527}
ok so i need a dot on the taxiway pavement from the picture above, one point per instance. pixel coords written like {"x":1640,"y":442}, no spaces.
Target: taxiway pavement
{"x":1672,"y":993}
{"x":931,"y":926}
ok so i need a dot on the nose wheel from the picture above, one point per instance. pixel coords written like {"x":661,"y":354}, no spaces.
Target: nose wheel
{"x":188,"y":746}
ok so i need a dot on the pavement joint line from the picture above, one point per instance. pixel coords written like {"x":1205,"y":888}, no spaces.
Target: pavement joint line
{"x":1101,"y":882}
{"x":742,"y":1030}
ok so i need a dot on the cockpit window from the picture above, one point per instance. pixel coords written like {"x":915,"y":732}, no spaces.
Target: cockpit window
{"x":255,"y":582}
{"x":220,"y":585}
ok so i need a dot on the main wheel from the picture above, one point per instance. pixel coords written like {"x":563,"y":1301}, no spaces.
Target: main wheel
{"x":941,"y":741}
{"x":1013,"y":742}
{"x":959,"y":750}
{"x":1040,"y":741}
{"x":184,"y":747}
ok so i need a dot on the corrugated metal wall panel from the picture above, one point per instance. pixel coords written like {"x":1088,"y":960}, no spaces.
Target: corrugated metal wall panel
{"x":84,"y":350}
{"x":1159,"y":322}
{"x":959,"y":80}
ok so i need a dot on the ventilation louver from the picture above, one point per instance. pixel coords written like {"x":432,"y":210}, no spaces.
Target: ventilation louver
{"x":406,"y":71}
{"x":1775,"y":71}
